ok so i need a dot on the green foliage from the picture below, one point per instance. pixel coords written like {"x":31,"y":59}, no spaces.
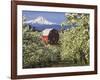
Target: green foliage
{"x":78,"y":19}
{"x":75,"y":41}
{"x":36,"y":53}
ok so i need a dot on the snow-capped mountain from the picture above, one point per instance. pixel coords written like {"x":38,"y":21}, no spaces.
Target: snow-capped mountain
{"x":40,"y":20}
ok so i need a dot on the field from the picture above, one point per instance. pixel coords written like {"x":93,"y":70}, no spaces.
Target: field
{"x":72,"y":48}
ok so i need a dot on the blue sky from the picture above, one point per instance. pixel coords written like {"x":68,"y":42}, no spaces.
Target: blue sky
{"x":56,"y":17}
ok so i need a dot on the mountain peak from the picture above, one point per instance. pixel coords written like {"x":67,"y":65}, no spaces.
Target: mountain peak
{"x":40,"y":17}
{"x":39,"y":20}
{"x":42,"y":20}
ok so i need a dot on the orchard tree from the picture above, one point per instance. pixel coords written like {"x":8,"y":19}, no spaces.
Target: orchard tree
{"x":75,"y":41}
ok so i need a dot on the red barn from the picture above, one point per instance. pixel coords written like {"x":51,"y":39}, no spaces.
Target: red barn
{"x":50,"y":36}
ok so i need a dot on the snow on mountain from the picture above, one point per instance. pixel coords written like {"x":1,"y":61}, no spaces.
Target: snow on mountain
{"x":39,"y":20}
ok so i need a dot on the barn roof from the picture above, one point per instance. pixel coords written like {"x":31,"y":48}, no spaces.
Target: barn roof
{"x":46,"y":31}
